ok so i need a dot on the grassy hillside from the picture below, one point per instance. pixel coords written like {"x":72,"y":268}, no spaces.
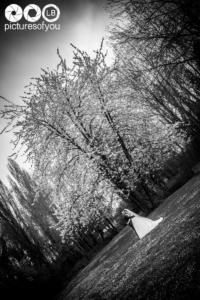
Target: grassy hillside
{"x":163,"y":265}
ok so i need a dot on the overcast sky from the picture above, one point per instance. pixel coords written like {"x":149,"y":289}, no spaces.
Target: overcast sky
{"x":24,"y":53}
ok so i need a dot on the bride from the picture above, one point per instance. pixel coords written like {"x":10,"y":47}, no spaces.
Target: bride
{"x":141,"y":225}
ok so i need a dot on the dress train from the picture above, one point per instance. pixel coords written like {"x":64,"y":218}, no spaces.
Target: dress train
{"x":142,"y":225}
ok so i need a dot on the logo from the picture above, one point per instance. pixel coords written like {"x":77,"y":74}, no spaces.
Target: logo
{"x":13,"y":13}
{"x":32,"y":13}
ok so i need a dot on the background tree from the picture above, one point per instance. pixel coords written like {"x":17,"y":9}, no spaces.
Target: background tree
{"x":38,"y":209}
{"x":157,"y":48}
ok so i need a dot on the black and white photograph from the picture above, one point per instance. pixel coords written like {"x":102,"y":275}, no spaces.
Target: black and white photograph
{"x":100,"y":150}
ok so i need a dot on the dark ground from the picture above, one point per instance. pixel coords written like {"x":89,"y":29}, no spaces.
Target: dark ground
{"x":165,"y":264}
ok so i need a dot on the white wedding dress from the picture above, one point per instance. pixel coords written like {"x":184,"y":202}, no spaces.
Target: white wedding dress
{"x":141,"y":225}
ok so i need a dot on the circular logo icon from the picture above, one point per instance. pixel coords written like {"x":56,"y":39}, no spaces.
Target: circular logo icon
{"x":32,"y":13}
{"x":51,"y":13}
{"x":13,"y":13}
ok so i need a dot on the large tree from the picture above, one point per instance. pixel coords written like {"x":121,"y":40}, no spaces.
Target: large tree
{"x":82,"y":114}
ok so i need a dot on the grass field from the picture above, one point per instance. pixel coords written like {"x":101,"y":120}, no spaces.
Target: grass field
{"x":165,"y":264}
